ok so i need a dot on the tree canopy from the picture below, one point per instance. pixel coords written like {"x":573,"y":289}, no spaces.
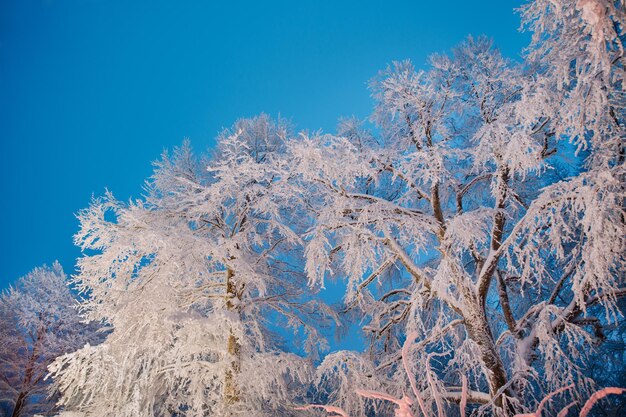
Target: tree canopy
{"x":478,"y":223}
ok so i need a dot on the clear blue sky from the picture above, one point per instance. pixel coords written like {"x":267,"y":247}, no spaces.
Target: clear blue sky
{"x":91,"y":91}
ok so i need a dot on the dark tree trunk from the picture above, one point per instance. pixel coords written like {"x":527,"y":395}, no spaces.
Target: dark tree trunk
{"x":19,"y":404}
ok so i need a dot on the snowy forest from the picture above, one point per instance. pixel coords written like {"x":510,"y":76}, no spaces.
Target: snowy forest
{"x":475,"y":223}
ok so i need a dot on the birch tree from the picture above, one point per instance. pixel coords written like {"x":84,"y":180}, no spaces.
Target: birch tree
{"x":189,"y":278}
{"x":484,"y":216}
{"x":38,"y":322}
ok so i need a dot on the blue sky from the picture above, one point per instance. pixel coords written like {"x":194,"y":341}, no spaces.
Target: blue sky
{"x":92,"y":91}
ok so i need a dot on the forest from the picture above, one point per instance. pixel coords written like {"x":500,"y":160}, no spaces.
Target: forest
{"x":475,"y":225}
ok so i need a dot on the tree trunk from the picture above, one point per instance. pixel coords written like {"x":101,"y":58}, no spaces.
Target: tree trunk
{"x":19,"y":404}
{"x":476,"y":318}
{"x":28,"y":376}
{"x":231,"y":391}
{"x":479,"y":331}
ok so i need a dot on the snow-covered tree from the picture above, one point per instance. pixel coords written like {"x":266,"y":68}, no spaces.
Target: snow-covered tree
{"x":38,"y":322}
{"x":194,"y":279}
{"x":480,"y":225}
{"x":403,"y":406}
{"x":485,"y":216}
